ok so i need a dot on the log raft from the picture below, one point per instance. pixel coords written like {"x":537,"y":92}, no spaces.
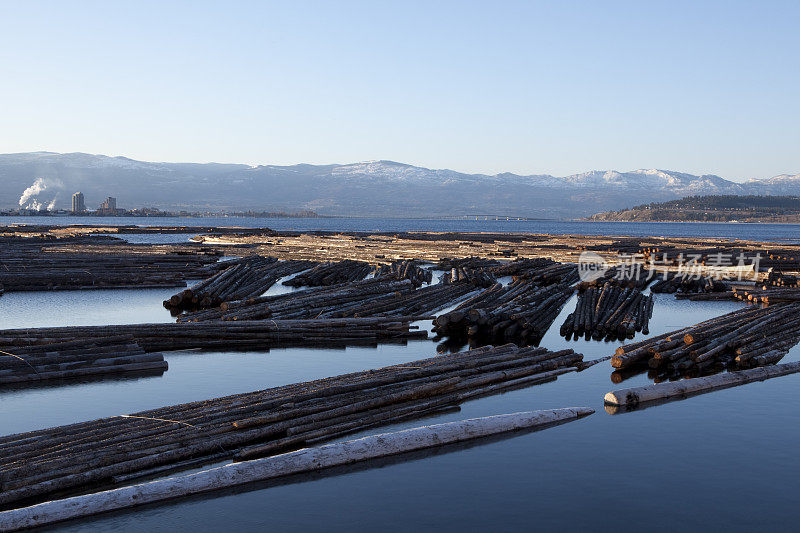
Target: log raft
{"x":332,"y":273}
{"x":66,"y":264}
{"x":370,"y":297}
{"x":745,"y":338}
{"x":251,"y":334}
{"x":405,"y":269}
{"x":77,"y":358}
{"x":241,"y":278}
{"x":305,"y":460}
{"x":609,"y":311}
{"x":521,"y":312}
{"x":39,"y":463}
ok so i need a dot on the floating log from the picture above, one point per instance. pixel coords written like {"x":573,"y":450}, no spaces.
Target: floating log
{"x":689,"y":387}
{"x":305,"y":460}
{"x":266,"y":422}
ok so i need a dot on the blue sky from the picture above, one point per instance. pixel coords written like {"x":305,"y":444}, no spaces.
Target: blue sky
{"x":529,"y":87}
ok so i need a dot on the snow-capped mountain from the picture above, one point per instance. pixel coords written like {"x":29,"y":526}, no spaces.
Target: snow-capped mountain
{"x":782,"y":184}
{"x":378,"y":188}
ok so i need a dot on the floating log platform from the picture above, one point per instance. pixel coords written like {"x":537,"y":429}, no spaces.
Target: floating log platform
{"x":76,"y":358}
{"x":745,"y":338}
{"x":31,"y":264}
{"x":241,"y":335}
{"x":384,"y":247}
{"x":609,"y":311}
{"x":78,"y":456}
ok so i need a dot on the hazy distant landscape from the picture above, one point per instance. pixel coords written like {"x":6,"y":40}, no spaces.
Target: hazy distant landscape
{"x":376,"y":188}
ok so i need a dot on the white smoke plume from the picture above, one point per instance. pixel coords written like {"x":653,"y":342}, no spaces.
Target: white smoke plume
{"x":35,"y":205}
{"x":52,"y":205}
{"x":38,"y":186}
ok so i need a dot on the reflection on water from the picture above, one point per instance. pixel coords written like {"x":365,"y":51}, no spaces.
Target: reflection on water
{"x":720,"y":460}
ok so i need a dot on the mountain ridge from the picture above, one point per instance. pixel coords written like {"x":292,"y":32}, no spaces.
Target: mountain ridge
{"x":366,"y":188}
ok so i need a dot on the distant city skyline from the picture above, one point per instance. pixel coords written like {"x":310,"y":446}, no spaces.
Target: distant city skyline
{"x":523,"y":87}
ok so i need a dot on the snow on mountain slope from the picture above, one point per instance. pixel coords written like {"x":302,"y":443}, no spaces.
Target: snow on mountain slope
{"x":783,"y":179}
{"x":382,"y":188}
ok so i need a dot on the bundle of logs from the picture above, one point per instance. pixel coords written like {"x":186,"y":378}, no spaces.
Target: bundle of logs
{"x":404,"y":269}
{"x":540,"y":270}
{"x":37,"y":271}
{"x":424,"y":302}
{"x":742,"y":339}
{"x":244,"y":335}
{"x":242,"y":278}
{"x":780,"y":260}
{"x":476,"y":277}
{"x":369,"y":297}
{"x":627,"y":246}
{"x":521,"y":312}
{"x":609,"y":311}
{"x":685,"y":283}
{"x":72,"y":458}
{"x":635,"y":277}
{"x":472,"y":263}
{"x":766,"y":295}
{"x":779,"y":279}
{"x":76,"y":358}
{"x":719,"y":256}
{"x":327,"y":274}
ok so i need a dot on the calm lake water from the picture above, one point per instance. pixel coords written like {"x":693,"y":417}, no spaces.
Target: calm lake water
{"x":722,"y":461}
{"x":761,"y":232}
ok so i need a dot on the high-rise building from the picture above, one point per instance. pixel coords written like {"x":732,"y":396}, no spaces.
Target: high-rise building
{"x":78,"y":205}
{"x":109,"y":206}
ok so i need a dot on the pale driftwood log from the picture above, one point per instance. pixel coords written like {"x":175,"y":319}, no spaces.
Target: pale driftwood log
{"x":663,"y":391}
{"x":306,"y":460}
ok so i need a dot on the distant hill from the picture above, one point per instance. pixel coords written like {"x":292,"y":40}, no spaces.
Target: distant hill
{"x":715,"y":208}
{"x":374,"y":188}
